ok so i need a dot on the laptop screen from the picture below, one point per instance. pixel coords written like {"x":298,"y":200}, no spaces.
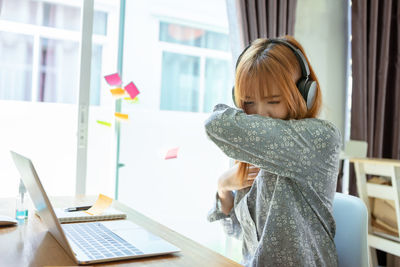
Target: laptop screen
{"x":40,"y":199}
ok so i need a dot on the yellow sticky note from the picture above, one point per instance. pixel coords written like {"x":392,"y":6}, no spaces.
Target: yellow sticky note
{"x":104,"y":123}
{"x":121,"y":116}
{"x":118,"y":92}
{"x":132,"y":101}
{"x":101,"y":204}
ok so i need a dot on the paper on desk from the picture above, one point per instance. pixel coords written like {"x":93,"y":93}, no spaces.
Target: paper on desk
{"x":132,"y":90}
{"x":101,"y":204}
{"x":113,"y":79}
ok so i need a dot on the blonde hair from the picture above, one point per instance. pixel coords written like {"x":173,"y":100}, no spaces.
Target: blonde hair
{"x":265,"y":65}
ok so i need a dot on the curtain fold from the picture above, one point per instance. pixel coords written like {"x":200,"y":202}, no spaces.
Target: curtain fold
{"x":375,"y":112}
{"x":265,"y":18}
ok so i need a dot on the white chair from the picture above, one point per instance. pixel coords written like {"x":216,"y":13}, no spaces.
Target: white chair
{"x":354,"y":149}
{"x":379,"y":167}
{"x":351,"y":218}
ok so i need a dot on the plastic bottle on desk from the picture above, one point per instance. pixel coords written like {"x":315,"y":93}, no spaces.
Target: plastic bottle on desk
{"x":21,"y":210}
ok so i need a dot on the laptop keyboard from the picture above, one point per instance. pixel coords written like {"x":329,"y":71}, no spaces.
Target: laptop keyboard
{"x":98,"y":242}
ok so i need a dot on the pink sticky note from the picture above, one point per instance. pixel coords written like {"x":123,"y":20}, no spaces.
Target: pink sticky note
{"x":172,"y":153}
{"x":132,"y":90}
{"x":113,"y":79}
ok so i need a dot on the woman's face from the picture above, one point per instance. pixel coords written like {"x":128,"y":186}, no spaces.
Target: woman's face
{"x":273,"y":105}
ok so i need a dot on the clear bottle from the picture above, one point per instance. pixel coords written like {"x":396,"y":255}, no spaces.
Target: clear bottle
{"x":21,"y":210}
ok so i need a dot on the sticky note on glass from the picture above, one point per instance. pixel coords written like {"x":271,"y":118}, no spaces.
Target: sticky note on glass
{"x":132,"y":101}
{"x":118,"y":92}
{"x":121,"y":116}
{"x":104,"y":123}
{"x":172,"y":153}
{"x":101,"y":204}
{"x":113,"y":79}
{"x":132,"y":90}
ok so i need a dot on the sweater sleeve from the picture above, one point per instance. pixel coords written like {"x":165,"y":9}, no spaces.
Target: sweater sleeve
{"x":290,"y":148}
{"x":229,"y":222}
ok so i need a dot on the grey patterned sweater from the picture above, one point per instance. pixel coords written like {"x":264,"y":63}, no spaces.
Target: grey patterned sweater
{"x":285,"y":218}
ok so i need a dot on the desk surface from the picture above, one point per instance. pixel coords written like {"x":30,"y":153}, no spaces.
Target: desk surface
{"x":30,"y":244}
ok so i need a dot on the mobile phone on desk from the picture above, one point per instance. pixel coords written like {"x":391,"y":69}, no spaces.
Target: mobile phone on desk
{"x":72,"y":209}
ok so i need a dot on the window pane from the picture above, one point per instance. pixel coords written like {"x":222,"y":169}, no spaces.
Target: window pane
{"x":61,"y":16}
{"x":15,"y":66}
{"x":180,"y":82}
{"x":95,"y":79}
{"x":100,"y":22}
{"x":51,"y":15}
{"x":178,"y":34}
{"x":69,"y":18}
{"x":217,"y":41}
{"x":59,"y":71}
{"x":217,"y":83}
{"x":24,"y":11}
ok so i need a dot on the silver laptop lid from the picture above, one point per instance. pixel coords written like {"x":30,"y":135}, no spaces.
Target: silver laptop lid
{"x":40,"y":199}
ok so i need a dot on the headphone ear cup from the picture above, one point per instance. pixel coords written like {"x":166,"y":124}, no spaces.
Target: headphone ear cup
{"x":307,"y":88}
{"x":233,"y":96}
{"x":311,"y":88}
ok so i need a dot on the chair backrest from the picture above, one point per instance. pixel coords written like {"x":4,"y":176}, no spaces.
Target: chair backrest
{"x":354,"y":149}
{"x":378,"y":167}
{"x":351,"y":218}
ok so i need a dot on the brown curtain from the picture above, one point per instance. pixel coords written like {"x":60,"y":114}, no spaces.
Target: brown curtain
{"x":265,"y":18}
{"x":375,"y":112}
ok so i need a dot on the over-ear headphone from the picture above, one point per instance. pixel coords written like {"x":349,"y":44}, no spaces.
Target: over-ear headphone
{"x":307,"y":87}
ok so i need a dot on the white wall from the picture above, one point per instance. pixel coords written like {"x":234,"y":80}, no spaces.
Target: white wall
{"x":321,"y":27}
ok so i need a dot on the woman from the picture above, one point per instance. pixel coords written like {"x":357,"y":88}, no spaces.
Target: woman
{"x":278,"y":197}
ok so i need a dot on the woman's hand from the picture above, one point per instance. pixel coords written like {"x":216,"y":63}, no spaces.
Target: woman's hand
{"x":228,"y":181}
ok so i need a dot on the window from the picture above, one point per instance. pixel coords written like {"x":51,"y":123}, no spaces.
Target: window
{"x":195,"y":68}
{"x":180,"y":82}
{"x":179,"y":34}
{"x":39,"y":53}
{"x":16,"y":66}
{"x":39,"y":91}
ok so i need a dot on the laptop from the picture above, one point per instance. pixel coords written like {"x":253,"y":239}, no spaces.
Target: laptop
{"x":91,"y":242}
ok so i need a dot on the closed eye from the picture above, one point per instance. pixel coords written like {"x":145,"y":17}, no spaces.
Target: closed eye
{"x":246,"y":103}
{"x":274,"y":102}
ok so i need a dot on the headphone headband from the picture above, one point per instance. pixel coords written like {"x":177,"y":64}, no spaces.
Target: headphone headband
{"x":305,"y":70}
{"x":307,"y":87}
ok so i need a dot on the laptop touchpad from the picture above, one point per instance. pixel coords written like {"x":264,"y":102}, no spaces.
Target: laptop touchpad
{"x":139,"y":237}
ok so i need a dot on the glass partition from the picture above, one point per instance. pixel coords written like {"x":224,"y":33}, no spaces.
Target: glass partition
{"x":178,"y":55}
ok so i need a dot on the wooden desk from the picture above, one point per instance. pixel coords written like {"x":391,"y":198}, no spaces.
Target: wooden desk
{"x":30,"y":244}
